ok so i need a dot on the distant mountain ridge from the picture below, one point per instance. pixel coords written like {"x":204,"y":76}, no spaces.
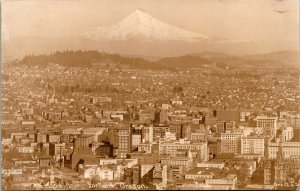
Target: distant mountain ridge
{"x":286,"y":59}
{"x":275,"y":59}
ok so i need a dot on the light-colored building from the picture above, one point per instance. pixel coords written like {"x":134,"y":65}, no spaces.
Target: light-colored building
{"x":136,"y":140}
{"x":231,"y":143}
{"x":170,"y":136}
{"x":99,"y":99}
{"x":199,"y":173}
{"x":185,"y":162}
{"x":172,"y":147}
{"x":100,"y":173}
{"x":145,"y":147}
{"x":148,"y":134}
{"x":198,"y":136}
{"x":25,"y":149}
{"x":252,"y":145}
{"x":72,"y":131}
{"x":11,"y":171}
{"x":95,"y":131}
{"x":269,"y":124}
{"x":287,"y":134}
{"x":212,"y":164}
{"x":289,"y":149}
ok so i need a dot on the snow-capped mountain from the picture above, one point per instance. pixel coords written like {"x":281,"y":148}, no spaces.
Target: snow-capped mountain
{"x":142,"y":26}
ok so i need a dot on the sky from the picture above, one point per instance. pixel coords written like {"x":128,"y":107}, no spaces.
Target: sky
{"x":270,"y":23}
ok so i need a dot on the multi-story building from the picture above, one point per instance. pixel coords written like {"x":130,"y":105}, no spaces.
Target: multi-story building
{"x":160,"y":174}
{"x":173,"y":147}
{"x":289,"y":150}
{"x":53,"y":138}
{"x":95,"y":131}
{"x":287,"y":134}
{"x":163,"y":117}
{"x":83,"y":141}
{"x":198,"y":136}
{"x":137,"y":132}
{"x":56,"y":148}
{"x":269,"y":124}
{"x":99,"y":99}
{"x":185,"y":162}
{"x":145,"y":147}
{"x":252,"y":145}
{"x":124,"y":141}
{"x":212,"y":164}
{"x":41,"y":138}
{"x":231,"y":143}
{"x":104,"y":150}
{"x":148,"y":134}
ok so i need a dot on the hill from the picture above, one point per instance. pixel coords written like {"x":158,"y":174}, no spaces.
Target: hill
{"x":282,"y":59}
{"x":198,"y":60}
{"x":86,"y":59}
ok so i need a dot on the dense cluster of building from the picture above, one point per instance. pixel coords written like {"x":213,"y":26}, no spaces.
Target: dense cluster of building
{"x":117,"y":128}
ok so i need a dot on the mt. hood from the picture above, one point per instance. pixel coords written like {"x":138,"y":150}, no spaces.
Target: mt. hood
{"x":142,"y":26}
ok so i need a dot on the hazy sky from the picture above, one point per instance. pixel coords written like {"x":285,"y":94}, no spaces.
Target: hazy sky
{"x":267,"y":22}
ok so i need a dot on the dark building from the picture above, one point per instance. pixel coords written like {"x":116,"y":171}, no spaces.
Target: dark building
{"x":44,"y":161}
{"x":160,"y":131}
{"x":105,"y":150}
{"x":132,"y":175}
{"x":163,"y":117}
{"x":83,"y":141}
{"x":179,"y":129}
{"x":214,"y":148}
{"x":137,"y":130}
{"x":223,"y":126}
{"x":157,"y":116}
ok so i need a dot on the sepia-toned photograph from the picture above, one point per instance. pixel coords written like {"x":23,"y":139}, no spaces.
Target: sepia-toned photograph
{"x":150,"y":95}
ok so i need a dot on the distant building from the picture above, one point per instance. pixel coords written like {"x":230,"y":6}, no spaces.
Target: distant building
{"x":41,"y":138}
{"x":99,"y":99}
{"x":53,"y":138}
{"x":176,"y":102}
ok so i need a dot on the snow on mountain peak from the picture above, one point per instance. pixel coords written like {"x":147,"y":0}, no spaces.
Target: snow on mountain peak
{"x":142,"y":26}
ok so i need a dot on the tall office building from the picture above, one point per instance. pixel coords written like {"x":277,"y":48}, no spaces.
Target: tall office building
{"x":231,"y":143}
{"x":124,"y":141}
{"x":253,"y":145}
